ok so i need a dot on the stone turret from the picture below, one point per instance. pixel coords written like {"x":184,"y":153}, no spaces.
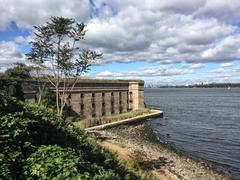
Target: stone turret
{"x":136,"y":95}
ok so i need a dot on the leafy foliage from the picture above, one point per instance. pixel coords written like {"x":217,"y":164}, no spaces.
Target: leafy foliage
{"x":14,"y":143}
{"x":48,"y":98}
{"x":10,"y":81}
{"x":11,"y":87}
{"x":43,"y":162}
{"x":9,"y":105}
{"x":37,"y":144}
{"x":69,"y":164}
{"x":19,"y":71}
{"x":56,"y":42}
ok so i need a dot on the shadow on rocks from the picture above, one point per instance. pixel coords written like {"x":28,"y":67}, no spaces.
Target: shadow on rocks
{"x":146,"y":163}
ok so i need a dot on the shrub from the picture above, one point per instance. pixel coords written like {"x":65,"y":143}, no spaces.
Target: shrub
{"x":14,"y":144}
{"x":35,"y":143}
{"x":62,"y":163}
{"x":10,"y":81}
{"x":48,"y":98}
{"x":12,"y":87}
{"x":9,"y":105}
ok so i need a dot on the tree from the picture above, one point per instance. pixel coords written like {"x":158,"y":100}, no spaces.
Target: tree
{"x":19,"y":71}
{"x":56,"y":48}
{"x":10,"y":81}
{"x":41,"y":84}
{"x":48,"y":98}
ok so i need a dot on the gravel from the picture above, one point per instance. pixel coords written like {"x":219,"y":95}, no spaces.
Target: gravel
{"x":174,"y":164}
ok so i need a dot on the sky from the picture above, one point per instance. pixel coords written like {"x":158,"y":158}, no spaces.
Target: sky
{"x":164,"y":42}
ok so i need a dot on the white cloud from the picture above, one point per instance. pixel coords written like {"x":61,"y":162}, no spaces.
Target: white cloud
{"x":163,"y":32}
{"x":135,"y":33}
{"x":126,"y":31}
{"x":170,"y":75}
{"x":224,"y":10}
{"x":226,"y":64}
{"x":10,"y":53}
{"x":176,"y":6}
{"x":145,"y":73}
{"x":225,"y":50}
{"x":27,"y":13}
{"x":194,"y":66}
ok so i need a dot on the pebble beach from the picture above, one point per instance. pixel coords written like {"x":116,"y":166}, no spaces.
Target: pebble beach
{"x":172,"y":164}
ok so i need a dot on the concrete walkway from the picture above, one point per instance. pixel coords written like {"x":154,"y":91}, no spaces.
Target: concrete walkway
{"x":152,"y":114}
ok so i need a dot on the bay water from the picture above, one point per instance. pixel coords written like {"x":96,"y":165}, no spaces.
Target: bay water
{"x":202,"y":122}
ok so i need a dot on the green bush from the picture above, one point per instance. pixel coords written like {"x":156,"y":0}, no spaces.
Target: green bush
{"x":62,"y":163}
{"x":48,"y":98}
{"x":10,"y":81}
{"x":52,"y":161}
{"x":12,"y":87}
{"x":37,"y":144}
{"x":19,"y":71}
{"x":9,"y":105}
{"x":14,"y":144}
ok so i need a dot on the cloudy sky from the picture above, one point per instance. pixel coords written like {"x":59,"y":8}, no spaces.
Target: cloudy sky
{"x":159,"y":41}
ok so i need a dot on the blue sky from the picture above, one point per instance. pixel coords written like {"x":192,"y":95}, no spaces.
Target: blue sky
{"x":161,"y":42}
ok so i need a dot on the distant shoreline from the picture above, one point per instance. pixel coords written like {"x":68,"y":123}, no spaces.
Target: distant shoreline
{"x":185,"y":87}
{"x":224,"y":85}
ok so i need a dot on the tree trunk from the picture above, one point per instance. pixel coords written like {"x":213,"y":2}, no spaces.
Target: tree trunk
{"x":57,"y":100}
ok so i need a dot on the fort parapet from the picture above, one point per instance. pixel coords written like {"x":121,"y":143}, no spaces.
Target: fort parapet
{"x":97,"y":98}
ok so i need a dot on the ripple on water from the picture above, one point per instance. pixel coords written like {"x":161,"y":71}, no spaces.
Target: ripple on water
{"x":202,"y":122}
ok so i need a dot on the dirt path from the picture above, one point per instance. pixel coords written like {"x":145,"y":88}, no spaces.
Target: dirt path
{"x":124,"y":153}
{"x":121,"y":151}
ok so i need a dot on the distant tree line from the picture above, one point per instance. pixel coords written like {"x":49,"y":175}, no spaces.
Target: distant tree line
{"x":213,"y":85}
{"x":216,"y":85}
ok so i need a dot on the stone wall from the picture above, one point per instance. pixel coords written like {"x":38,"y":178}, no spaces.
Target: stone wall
{"x":136,"y":95}
{"x":94,"y":99}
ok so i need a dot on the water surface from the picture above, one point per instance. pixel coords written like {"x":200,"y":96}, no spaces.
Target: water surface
{"x":204,"y":122}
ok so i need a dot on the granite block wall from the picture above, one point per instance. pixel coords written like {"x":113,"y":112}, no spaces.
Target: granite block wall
{"x":95,"y":99}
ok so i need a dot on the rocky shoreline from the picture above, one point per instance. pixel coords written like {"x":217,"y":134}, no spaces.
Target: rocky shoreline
{"x":173,"y":165}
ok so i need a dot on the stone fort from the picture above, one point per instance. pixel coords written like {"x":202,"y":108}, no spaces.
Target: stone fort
{"x":97,"y":98}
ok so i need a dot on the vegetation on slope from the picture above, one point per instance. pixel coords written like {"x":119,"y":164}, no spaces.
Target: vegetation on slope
{"x":37,"y":144}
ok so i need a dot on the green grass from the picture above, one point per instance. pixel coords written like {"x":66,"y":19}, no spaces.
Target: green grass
{"x":87,"y":122}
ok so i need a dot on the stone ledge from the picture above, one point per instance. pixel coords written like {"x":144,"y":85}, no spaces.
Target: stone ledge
{"x":152,"y":114}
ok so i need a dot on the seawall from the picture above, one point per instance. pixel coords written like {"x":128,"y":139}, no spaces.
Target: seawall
{"x":152,"y":114}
